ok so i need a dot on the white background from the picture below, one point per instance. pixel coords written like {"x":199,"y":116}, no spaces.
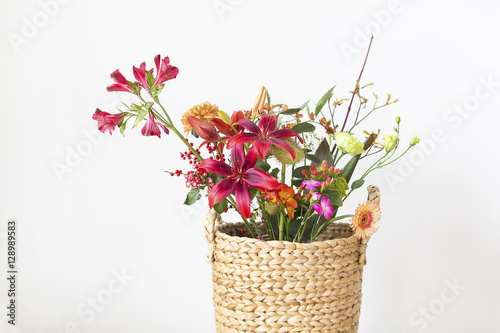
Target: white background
{"x":114,"y":211}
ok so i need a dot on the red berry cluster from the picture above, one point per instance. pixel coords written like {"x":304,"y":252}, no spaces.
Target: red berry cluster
{"x":219,"y":156}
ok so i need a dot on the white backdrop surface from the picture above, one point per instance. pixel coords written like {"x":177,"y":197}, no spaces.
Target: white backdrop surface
{"x":104,"y":242}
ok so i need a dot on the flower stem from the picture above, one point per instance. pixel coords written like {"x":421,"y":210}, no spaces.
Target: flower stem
{"x":282,"y":226}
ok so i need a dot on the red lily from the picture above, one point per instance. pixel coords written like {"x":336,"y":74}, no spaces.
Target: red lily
{"x":152,"y":127}
{"x":107,"y":121}
{"x":164,"y":71}
{"x":121,"y":83}
{"x":238,"y":178}
{"x":227,"y":129}
{"x":264,"y":135}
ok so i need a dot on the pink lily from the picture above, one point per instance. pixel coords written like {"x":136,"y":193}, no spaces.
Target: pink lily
{"x":164,"y":71}
{"x":238,"y":178}
{"x":263,"y":135}
{"x":152,"y":127}
{"x":121,"y":83}
{"x":107,"y":121}
{"x":324,"y":208}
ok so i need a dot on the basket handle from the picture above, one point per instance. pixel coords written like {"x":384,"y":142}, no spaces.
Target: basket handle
{"x":373,"y":196}
{"x":210,"y":224}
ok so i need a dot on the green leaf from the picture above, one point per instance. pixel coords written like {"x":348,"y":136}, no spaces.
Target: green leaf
{"x":262,"y":165}
{"x":140,"y":116}
{"x":313,"y":158}
{"x":323,"y":101}
{"x":192,"y":196}
{"x":193,"y":133}
{"x":348,"y":169}
{"x":323,"y":153}
{"x":297,"y":172}
{"x":304,"y":127}
{"x":295,"y":110}
{"x":357,"y":184}
{"x":151,"y":78}
{"x":275,"y":172}
{"x":268,"y":97}
{"x":220,"y":207}
{"x":122,"y":126}
{"x":297,"y":182}
{"x":334,"y":196}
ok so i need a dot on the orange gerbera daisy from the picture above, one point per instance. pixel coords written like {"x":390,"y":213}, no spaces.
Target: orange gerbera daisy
{"x":363,"y":222}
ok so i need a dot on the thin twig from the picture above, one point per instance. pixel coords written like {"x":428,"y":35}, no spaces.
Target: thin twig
{"x":356,"y":90}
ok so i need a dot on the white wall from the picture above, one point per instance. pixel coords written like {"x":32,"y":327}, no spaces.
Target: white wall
{"x":118,"y":213}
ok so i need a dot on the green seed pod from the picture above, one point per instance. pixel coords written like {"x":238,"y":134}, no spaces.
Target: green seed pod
{"x":283,"y":156}
{"x":271,"y":208}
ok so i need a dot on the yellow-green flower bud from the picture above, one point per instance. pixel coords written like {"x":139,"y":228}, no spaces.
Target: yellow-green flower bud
{"x":283,"y":156}
{"x":348,"y":144}
{"x":224,"y":116}
{"x":414,"y":141}
{"x":390,"y":142}
{"x":398,"y":120}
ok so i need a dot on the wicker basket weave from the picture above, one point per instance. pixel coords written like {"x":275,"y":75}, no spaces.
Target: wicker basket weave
{"x":278,"y":286}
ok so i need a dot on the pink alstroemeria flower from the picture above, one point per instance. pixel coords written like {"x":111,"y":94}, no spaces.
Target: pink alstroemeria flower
{"x":324,"y":208}
{"x":265,"y":134}
{"x":121,"y":83}
{"x":152,"y":127}
{"x":107,"y":121}
{"x":141,"y":76}
{"x":164,"y":71}
{"x":238,"y":178}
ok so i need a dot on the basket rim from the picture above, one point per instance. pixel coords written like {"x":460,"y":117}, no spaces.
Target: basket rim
{"x":277,"y":243}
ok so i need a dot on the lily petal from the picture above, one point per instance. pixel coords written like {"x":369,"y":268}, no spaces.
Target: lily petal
{"x":241,"y":138}
{"x":260,"y":180}
{"x":221,"y":191}
{"x":262,"y":147}
{"x":217,"y":167}
{"x":284,"y":145}
{"x":250,"y":126}
{"x":286,"y":133}
{"x":243,"y":199}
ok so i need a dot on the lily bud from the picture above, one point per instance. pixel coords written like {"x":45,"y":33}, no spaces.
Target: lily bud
{"x":204,"y":129}
{"x":258,"y":105}
{"x":224,"y":116}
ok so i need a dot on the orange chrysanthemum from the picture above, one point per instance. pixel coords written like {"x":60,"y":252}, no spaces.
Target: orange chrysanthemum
{"x":204,"y":111}
{"x":363,"y":222}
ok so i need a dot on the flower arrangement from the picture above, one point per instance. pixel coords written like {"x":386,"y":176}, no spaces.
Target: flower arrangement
{"x":288,"y":168}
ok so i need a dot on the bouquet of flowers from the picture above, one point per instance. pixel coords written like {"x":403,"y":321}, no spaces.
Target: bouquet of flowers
{"x":286,"y":171}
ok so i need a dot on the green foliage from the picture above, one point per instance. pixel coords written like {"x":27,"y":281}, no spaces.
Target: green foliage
{"x":192,"y":196}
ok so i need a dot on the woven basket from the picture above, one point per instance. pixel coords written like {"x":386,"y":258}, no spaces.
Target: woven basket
{"x":278,"y":286}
